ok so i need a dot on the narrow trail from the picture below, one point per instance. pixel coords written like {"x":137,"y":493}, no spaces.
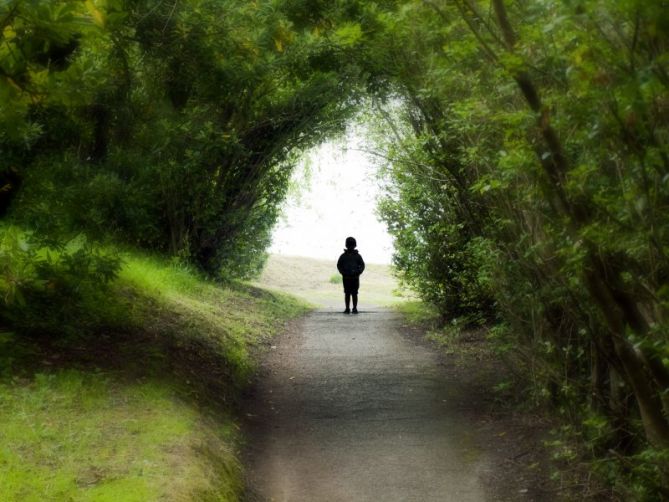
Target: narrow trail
{"x":347,"y":408}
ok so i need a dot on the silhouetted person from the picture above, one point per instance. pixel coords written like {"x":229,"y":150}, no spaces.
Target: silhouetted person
{"x":350,"y":266}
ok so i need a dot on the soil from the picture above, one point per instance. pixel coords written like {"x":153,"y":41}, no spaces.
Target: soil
{"x":358,"y":408}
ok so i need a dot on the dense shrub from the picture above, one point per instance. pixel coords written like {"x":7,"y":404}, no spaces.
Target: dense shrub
{"x":529,"y":161}
{"x":46,"y":288}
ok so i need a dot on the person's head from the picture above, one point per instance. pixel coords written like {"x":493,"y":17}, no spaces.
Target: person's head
{"x":350,"y":243}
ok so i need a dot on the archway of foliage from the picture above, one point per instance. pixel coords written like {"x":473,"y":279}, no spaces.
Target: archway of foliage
{"x":527,"y":172}
{"x":168,"y":125}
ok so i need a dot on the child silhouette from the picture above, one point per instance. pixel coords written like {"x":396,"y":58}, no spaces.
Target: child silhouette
{"x":350,"y":266}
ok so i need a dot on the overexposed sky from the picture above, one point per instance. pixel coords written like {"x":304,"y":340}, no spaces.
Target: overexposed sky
{"x":338,"y":199}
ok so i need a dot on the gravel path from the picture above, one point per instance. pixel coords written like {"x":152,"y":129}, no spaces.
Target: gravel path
{"x":349,"y":409}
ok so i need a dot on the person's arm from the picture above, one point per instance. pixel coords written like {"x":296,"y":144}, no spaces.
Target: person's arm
{"x":339,"y":265}
{"x":361,"y":265}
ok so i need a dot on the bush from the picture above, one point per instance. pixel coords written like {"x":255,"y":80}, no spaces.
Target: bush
{"x":47,"y":287}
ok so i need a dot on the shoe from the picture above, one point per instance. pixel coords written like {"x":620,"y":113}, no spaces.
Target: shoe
{"x":355,"y":311}
{"x":347,"y":311}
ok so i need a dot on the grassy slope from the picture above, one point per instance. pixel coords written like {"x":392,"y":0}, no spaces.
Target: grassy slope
{"x":137,"y":408}
{"x":318,"y":281}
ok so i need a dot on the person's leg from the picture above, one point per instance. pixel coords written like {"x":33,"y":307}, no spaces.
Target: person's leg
{"x":355,"y":283}
{"x":347,"y":299}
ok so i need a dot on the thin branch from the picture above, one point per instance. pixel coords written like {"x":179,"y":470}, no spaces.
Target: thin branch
{"x":486,"y":48}
{"x":404,"y":160}
{"x":169,"y":17}
{"x":487,"y":25}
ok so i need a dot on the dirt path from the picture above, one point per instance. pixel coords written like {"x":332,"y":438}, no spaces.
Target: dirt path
{"x":347,"y":408}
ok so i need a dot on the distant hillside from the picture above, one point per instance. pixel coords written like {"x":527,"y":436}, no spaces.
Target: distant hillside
{"x":318,"y":281}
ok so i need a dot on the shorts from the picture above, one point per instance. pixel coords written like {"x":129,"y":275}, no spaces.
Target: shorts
{"x":351,"y":284}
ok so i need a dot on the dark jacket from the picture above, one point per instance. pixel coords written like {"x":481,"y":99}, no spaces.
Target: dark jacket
{"x":350,"y":263}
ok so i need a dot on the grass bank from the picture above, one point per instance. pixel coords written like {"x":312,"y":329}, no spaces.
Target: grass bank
{"x":136,"y":406}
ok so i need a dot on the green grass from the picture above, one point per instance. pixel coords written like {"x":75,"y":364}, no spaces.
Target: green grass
{"x":233,"y":319}
{"x":137,"y":407}
{"x":418,"y":312}
{"x":70,"y":435}
{"x":451,"y":338}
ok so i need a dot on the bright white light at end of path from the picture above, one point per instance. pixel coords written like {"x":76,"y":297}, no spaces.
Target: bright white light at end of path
{"x":339,"y":200}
